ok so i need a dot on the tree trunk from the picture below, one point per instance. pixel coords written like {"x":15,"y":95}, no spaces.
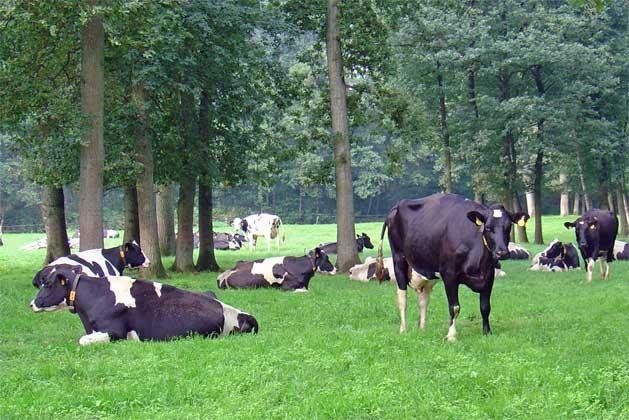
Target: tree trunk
{"x":622,"y":212}
{"x":92,"y":146}
{"x":610,"y":200}
{"x":530,"y":203}
{"x":185,"y":226}
{"x":445,"y":135}
{"x":625,"y":201}
{"x":604,"y":185}
{"x":131,"y":219}
{"x":53,"y":210}
{"x":587,"y":201}
{"x":564,"y":202}
{"x":346,"y":234}
{"x":520,"y":231}
{"x":471,"y":90}
{"x":478,"y":196}
{"x":206,"y":260}
{"x":165,"y":201}
{"x":144,"y":185}
{"x":576,"y":207}
{"x":539,"y":157}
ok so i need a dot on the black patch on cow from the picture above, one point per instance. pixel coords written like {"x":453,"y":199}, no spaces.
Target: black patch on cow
{"x":95,"y":267}
{"x":110,"y":268}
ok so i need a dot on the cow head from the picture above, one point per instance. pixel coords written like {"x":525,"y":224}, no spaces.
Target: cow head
{"x":321,"y":262}
{"x":366,"y":240}
{"x":586,"y":229}
{"x":495,"y":225}
{"x":134,"y":256}
{"x":554,"y":250}
{"x":41,"y":275}
{"x":55,"y":288}
{"x":246,"y":324}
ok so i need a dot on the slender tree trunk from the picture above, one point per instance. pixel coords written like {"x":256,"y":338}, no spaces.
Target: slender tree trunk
{"x":478,"y":196}
{"x":131,"y":219}
{"x":165,"y":201}
{"x":445,"y":135}
{"x":530,"y":203}
{"x":521,"y":231}
{"x":604,"y":185}
{"x":146,"y":195}
{"x":622,"y":212}
{"x":53,"y":210}
{"x":539,"y":157}
{"x":564,"y":202}
{"x":610,"y":200}
{"x":626,"y":204}
{"x":206,"y":260}
{"x":185,"y":226}
{"x":577,"y":201}
{"x":346,"y":234}
{"x":471,"y":90}
{"x":587,"y":202}
{"x":92,"y":148}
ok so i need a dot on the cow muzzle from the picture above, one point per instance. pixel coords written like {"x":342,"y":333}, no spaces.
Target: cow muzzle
{"x":500,"y":253}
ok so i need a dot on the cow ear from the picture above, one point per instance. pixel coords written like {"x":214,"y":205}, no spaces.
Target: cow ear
{"x":476,"y":217}
{"x":317,"y":252}
{"x":127,"y":246}
{"x":520,"y":218}
{"x":569,"y":225}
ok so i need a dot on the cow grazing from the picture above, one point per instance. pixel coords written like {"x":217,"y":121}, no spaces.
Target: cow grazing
{"x":362,"y":241}
{"x":596,"y":232}
{"x":516,"y":252}
{"x":556,"y":257}
{"x":118,"y":308}
{"x":621,"y":250}
{"x":287,"y":273}
{"x":451,"y":235}
{"x":262,"y":224}
{"x":99,"y":262}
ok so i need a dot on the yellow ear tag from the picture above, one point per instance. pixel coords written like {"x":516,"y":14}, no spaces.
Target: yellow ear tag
{"x":72,"y":295}
{"x":478,"y":222}
{"x":592,"y":227}
{"x":522,"y":222}
{"x":63,"y":282}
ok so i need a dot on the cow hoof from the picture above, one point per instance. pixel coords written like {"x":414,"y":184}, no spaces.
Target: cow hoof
{"x":450,"y":338}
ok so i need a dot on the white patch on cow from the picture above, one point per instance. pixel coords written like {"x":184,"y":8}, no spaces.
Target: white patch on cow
{"x":222,"y":278}
{"x":60,"y":307}
{"x":158,"y":288}
{"x":401,"y":305}
{"x":133,"y":335}
{"x":499,"y":273}
{"x":94,"y":338}
{"x":497,"y":213}
{"x":230,"y":318}
{"x":537,"y":256}
{"x":359,"y":272}
{"x":619,"y":247}
{"x":590,"y":268}
{"x":581,"y":222}
{"x":265,"y":268}
{"x":301,"y":290}
{"x":121,"y":287}
{"x":147,"y":262}
{"x":452,"y":329}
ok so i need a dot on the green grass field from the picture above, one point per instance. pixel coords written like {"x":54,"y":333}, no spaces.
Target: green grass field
{"x":559,"y":349}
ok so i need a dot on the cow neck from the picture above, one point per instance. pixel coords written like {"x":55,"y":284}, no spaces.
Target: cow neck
{"x":72,"y":296}
{"x":116,"y":257}
{"x":312,"y":262}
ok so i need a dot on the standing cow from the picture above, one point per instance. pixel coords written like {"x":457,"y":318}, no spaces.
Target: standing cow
{"x":596,"y":232}
{"x":262,"y":224}
{"x":460,"y":239}
{"x":118,"y":308}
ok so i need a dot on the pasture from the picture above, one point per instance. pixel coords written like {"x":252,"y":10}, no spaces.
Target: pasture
{"x":558,"y":350}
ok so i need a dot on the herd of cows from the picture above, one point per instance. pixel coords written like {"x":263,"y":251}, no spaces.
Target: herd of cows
{"x":442,"y":237}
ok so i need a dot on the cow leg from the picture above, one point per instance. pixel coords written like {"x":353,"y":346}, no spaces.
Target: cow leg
{"x":94,"y":338}
{"x":485,"y":309}
{"x":423,"y":297}
{"x":604,"y":268}
{"x":401,"y":306}
{"x":400,"y":266}
{"x":590,"y":268}
{"x":452,"y":292}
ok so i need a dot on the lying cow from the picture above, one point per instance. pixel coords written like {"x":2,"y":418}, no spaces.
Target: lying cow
{"x":362,"y":241}
{"x":287,"y":273}
{"x":451,"y":235}
{"x":118,"y":308}
{"x":556,"y":257}
{"x":516,"y":252}
{"x":262,"y":224}
{"x":621,"y":250}
{"x":99,"y":262}
{"x":596,"y":232}
{"x":227,"y":241}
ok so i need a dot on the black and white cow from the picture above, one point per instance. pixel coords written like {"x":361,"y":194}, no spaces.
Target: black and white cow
{"x":99,"y":262}
{"x":262,"y":224}
{"x":596,"y":232}
{"x":118,"y":308}
{"x":451,"y":235}
{"x":362,"y":241}
{"x":110,"y":233}
{"x":287,"y":273}
{"x":227,"y":241}
{"x":517,"y":252}
{"x":621,"y":250}
{"x":556,"y":257}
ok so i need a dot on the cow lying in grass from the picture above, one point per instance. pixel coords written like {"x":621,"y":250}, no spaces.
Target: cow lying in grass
{"x":287,"y":273}
{"x":118,"y":308}
{"x":362,"y":241}
{"x":556,"y":257}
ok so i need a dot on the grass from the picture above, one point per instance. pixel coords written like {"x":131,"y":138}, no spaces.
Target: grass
{"x":558,"y":350}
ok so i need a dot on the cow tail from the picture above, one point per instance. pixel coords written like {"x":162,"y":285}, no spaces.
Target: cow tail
{"x":283,"y":231}
{"x":380,"y":270}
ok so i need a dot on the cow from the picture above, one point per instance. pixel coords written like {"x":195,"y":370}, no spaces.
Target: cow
{"x":621,"y":250}
{"x":448,"y":234}
{"x":362,"y":241}
{"x":262,"y":224}
{"x":286,"y":273}
{"x":556,"y":257}
{"x":119,"y":307}
{"x":516,"y":252}
{"x":596,"y":232}
{"x":110,"y":233}
{"x":99,"y":262}
{"x":227,"y":241}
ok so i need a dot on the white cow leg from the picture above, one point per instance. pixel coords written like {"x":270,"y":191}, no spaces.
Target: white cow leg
{"x":590,"y":268}
{"x":604,"y":268}
{"x":423,"y":301}
{"x":401,"y":305}
{"x":94,"y":338}
{"x":452,"y":330}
